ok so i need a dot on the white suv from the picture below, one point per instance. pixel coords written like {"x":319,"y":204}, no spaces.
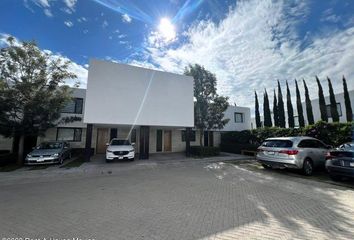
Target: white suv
{"x":120,"y":149}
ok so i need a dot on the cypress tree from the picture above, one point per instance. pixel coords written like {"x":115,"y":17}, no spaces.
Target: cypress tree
{"x":332,"y":98}
{"x":322,"y":102}
{"x":266,"y":111}
{"x":258,"y":117}
{"x":289,"y":107}
{"x":309,"y":111}
{"x":300,"y":112}
{"x":281,"y":111}
{"x":348,"y":106}
{"x":275,"y":111}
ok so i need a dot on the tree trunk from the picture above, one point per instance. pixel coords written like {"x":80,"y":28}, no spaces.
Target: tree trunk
{"x":201,"y":137}
{"x":21,"y":145}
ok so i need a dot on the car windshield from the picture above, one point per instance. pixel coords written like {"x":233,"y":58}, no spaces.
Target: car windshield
{"x":120,"y":142}
{"x":50,"y":145}
{"x":347,"y":146}
{"x":277,"y":143}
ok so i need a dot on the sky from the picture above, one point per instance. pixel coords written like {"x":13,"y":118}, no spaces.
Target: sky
{"x":247,"y":44}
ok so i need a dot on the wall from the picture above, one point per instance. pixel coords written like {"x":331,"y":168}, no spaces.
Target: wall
{"x":5,"y":143}
{"x":128,"y":95}
{"x":232,"y":125}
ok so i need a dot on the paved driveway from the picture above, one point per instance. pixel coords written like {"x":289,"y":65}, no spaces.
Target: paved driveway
{"x":176,"y":201}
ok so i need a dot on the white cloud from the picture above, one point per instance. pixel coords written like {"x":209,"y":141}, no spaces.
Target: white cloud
{"x":82,"y":19}
{"x":42,"y":3}
{"x":126,"y":18}
{"x":79,"y":70}
{"x":69,"y":23}
{"x":48,"y":13}
{"x":104,"y":24}
{"x":256,"y":44}
{"x":70,"y":4}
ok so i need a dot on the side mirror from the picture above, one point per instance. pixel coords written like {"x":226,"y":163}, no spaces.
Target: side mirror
{"x":133,"y":144}
{"x":107,"y":144}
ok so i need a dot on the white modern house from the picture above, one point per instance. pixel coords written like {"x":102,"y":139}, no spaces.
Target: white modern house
{"x":153,"y":109}
{"x":316,"y":110}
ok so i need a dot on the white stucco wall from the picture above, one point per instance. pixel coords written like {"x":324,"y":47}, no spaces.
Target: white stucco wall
{"x":232,"y":125}
{"x":124,"y":94}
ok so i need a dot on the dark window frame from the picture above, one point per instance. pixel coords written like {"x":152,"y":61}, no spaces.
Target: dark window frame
{"x":339,"y":110}
{"x":73,"y":140}
{"x":192,"y":137}
{"x":242,"y":118}
{"x":76,"y":106}
{"x":133,"y":136}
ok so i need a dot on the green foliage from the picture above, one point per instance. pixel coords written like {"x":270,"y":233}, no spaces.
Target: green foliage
{"x":281,"y":111}
{"x":289,"y":105}
{"x":199,"y":151}
{"x":275,"y":110}
{"x":333,"y":102}
{"x":348,"y":106}
{"x":209,"y":107}
{"x":32,"y":93}
{"x":309,"y":112}
{"x":330,"y":133}
{"x":258,"y":117}
{"x":300,"y":111}
{"x":322,"y":101}
{"x":266,"y":110}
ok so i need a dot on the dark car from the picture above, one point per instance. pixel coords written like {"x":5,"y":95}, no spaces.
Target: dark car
{"x":49,"y":152}
{"x":340,"y":162}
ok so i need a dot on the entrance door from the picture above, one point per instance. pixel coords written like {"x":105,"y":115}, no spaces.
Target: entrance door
{"x":102,"y":139}
{"x":167,"y":140}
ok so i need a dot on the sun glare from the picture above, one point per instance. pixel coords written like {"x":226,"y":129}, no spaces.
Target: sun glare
{"x":167,"y":29}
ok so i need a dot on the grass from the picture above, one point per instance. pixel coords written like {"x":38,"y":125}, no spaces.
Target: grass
{"x":74,"y":163}
{"x":10,"y":167}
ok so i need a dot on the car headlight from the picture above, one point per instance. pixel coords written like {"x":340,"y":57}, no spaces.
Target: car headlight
{"x":55,"y":155}
{"x":131,"y":150}
{"x":109,"y":151}
{"x":29,"y":155}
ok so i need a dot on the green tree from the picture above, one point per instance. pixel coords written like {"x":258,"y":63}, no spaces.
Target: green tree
{"x":322,"y":101}
{"x":333,"y":102}
{"x":32,"y":93}
{"x":209,"y":107}
{"x":275,"y":111}
{"x":300,"y":111}
{"x":309,"y":112}
{"x":348,"y":106}
{"x":281,"y":110}
{"x":289,"y":106}
{"x":266,"y":110}
{"x":258,"y":117}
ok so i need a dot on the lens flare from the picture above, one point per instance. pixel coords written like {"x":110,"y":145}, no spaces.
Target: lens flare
{"x":167,"y":30}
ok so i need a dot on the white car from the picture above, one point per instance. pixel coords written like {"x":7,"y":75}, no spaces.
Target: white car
{"x":120,"y":149}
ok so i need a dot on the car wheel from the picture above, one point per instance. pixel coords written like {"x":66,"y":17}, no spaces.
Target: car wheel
{"x":335,"y":177}
{"x":265,"y":166}
{"x":61,"y":160}
{"x":307,"y":167}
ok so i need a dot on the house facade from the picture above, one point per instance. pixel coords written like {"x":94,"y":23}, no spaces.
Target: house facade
{"x":316,"y":110}
{"x":153,"y":109}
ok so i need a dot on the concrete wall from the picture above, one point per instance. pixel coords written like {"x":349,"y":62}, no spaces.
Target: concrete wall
{"x":232,"y":125}
{"x":129,"y":95}
{"x":5,"y":143}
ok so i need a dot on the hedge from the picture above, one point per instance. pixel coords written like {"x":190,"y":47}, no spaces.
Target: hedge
{"x":204,"y":151}
{"x":330,"y":133}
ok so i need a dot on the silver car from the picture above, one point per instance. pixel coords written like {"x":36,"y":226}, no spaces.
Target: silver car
{"x":303,"y":153}
{"x":49,"y":152}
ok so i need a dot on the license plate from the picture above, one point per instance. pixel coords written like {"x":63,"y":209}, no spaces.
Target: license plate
{"x":40,"y":160}
{"x":351,"y":164}
{"x":271,"y":153}
{"x":120,"y":157}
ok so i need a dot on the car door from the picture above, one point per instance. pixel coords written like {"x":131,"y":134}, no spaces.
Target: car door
{"x":307,"y":149}
{"x":320,"y":151}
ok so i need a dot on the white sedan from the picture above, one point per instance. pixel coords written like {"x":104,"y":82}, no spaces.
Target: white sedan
{"x":120,"y":149}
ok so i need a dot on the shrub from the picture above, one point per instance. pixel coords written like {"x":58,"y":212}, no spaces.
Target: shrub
{"x":204,"y":151}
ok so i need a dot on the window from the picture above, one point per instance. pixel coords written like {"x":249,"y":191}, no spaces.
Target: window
{"x":311,"y":144}
{"x":74,"y":106}
{"x":339,"y":109}
{"x":277,"y":143}
{"x":191,"y":137}
{"x":69,"y":134}
{"x":159,"y":140}
{"x":238,"y":117}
